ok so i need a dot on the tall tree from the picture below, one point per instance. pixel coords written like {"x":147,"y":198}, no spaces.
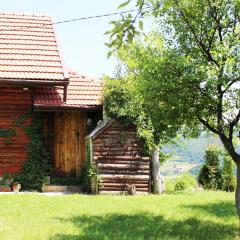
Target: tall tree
{"x":123,"y":100}
{"x":196,"y":72}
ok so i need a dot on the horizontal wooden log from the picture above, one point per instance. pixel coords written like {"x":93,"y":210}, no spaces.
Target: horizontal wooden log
{"x":107,"y":141}
{"x":4,"y":144}
{"x":131,"y":163}
{"x":108,"y":156}
{"x":121,"y":166}
{"x":122,"y":136}
{"x":122,"y":158}
{"x":14,"y":150}
{"x":122,"y":192}
{"x":130,"y":166}
{"x":133,"y":180}
{"x":121,"y":189}
{"x":123,"y":176}
{"x":120,"y":127}
{"x":116,"y":184}
{"x":126,"y":172}
{"x":117,"y":148}
{"x":12,"y":159}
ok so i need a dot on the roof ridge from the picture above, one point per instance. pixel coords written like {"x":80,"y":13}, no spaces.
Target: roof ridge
{"x":25,"y":14}
{"x":74,"y":73}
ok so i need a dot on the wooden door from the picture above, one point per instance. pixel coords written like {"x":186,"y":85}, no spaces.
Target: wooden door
{"x":70,"y":132}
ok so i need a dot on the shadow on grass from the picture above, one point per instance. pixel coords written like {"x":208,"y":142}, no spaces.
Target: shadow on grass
{"x":144,"y":226}
{"x":222,"y":209}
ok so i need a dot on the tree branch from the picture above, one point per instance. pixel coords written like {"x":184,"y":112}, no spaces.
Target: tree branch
{"x":207,"y":125}
{"x":230,"y":84}
{"x":203,"y":48}
{"x":233,"y":124}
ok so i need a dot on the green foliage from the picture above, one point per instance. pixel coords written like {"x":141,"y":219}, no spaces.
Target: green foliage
{"x":170,"y":185}
{"x":214,"y":176}
{"x":185,"y":181}
{"x":6,"y":180}
{"x":88,"y":177}
{"x":124,"y":30}
{"x":37,"y":166}
{"x":210,"y":175}
{"x":229,"y":180}
{"x":129,"y":101}
{"x":186,"y":73}
{"x":180,"y":185}
{"x":7,"y":133}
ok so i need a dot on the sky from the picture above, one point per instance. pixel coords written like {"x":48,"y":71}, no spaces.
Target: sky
{"x":82,"y":42}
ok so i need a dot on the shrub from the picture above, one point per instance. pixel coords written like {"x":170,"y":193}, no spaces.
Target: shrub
{"x":229,"y":181}
{"x":88,"y":177}
{"x":210,"y":174}
{"x":170,"y":185}
{"x":185,"y":181}
{"x":180,"y":185}
{"x":6,"y":180}
{"x":37,"y":166}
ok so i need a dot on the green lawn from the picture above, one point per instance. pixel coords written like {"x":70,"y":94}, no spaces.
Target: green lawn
{"x":202,"y":215}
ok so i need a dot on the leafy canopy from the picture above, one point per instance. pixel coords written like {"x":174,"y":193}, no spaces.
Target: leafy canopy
{"x":188,"y":72}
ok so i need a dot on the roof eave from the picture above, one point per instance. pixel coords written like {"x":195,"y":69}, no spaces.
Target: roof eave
{"x":33,"y":82}
{"x":57,"y":108}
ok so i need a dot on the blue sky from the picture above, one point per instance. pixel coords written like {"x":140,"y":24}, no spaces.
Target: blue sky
{"x":82,"y":43}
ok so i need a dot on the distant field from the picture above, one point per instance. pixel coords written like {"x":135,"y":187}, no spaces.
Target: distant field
{"x":174,"y":168}
{"x":187,"y":155}
{"x":186,"y":216}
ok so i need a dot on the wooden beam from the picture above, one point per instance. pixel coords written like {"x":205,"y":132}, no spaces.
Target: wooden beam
{"x":65,"y":93}
{"x":32,"y":83}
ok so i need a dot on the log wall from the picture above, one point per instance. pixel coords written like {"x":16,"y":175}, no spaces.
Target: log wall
{"x":13,"y":103}
{"x":69,"y":149}
{"x":118,"y":155}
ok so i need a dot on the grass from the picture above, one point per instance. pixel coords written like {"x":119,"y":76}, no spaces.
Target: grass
{"x":186,"y":215}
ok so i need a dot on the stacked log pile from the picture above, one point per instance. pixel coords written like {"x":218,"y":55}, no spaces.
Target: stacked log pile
{"x":121,"y":164}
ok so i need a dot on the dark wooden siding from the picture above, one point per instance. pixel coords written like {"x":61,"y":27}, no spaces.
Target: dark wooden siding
{"x":14,"y":102}
{"x":119,"y":157}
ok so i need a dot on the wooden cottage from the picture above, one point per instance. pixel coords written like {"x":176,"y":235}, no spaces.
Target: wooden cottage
{"x":33,"y":78}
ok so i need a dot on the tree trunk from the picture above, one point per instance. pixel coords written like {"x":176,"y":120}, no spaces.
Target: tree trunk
{"x":158,"y":186}
{"x":237,"y":193}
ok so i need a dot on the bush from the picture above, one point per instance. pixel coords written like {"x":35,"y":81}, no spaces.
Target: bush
{"x":37,"y":166}
{"x":170,"y":185}
{"x":229,"y":181}
{"x":185,"y":181}
{"x":210,"y":174}
{"x":180,"y":185}
{"x":88,"y":177}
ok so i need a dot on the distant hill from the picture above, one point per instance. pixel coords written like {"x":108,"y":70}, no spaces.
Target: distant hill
{"x":187,"y":155}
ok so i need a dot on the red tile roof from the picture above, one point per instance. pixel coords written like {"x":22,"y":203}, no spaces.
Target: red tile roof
{"x":82,"y":92}
{"x":28,"y":48}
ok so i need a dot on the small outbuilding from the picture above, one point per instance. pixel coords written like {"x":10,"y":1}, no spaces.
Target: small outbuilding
{"x":117,"y":154}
